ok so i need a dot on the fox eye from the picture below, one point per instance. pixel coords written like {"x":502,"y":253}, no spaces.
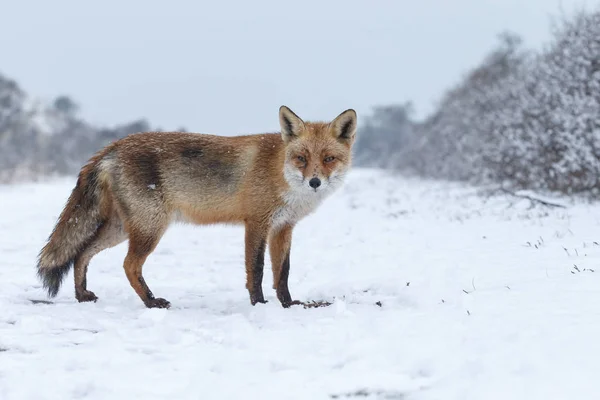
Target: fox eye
{"x":301,"y":159}
{"x":329,"y":159}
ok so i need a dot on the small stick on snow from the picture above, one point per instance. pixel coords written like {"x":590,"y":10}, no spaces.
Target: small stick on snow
{"x":531,"y":198}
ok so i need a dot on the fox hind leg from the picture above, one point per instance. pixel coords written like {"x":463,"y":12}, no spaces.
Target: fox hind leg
{"x":140,"y":246}
{"x":109,"y":235}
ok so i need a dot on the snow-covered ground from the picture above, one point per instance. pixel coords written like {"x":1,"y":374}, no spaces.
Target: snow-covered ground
{"x":437,"y":294}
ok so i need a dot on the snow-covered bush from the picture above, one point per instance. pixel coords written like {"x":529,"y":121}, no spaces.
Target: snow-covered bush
{"x":550,"y":128}
{"x":522,"y":119}
{"x":456,"y":141}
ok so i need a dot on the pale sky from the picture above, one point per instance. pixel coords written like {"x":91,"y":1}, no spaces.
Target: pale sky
{"x":225,"y":67}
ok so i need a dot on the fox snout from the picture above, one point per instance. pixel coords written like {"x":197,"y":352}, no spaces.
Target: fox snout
{"x":314,"y":183}
{"x":317,"y":183}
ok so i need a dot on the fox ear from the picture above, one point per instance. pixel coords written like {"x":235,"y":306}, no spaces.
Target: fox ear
{"x":291,"y":124}
{"x":344,"y":125}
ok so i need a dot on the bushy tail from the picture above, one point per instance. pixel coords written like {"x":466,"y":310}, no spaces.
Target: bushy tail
{"x":78,"y":223}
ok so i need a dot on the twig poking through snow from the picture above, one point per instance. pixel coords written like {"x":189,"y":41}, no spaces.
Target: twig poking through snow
{"x":531,"y":198}
{"x":313,"y":304}
{"x":40,"y":301}
{"x":472,"y":284}
{"x":368,"y":393}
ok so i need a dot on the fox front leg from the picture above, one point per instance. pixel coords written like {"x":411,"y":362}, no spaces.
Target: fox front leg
{"x":255,"y":261}
{"x":280,"y":243}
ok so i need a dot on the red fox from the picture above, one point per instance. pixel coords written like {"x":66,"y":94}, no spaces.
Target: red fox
{"x":135,"y":187}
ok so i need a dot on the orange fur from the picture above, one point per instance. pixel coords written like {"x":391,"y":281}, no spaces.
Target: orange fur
{"x":137,"y":186}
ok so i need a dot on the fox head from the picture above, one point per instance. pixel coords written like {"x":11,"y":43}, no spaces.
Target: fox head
{"x":317,"y":154}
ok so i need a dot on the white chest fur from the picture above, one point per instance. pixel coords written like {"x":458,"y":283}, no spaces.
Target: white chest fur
{"x":297,"y":205}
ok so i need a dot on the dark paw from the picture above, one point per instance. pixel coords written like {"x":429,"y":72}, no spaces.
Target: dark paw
{"x":158,"y":303}
{"x":85,"y":296}
{"x":283,"y":294}
{"x":257,"y":298}
{"x":288,"y":304}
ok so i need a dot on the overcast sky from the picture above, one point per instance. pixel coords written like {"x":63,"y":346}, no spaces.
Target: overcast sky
{"x":225,"y":67}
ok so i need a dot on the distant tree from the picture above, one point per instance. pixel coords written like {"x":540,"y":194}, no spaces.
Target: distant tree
{"x":385,"y":133}
{"x":66,"y":105}
{"x":120,"y":131}
{"x":36,"y":140}
{"x":138,"y":126}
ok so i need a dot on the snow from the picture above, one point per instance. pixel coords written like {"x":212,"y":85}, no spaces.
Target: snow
{"x":478,"y":299}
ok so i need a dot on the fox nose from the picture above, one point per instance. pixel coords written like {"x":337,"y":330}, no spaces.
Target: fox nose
{"x":314,"y":183}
